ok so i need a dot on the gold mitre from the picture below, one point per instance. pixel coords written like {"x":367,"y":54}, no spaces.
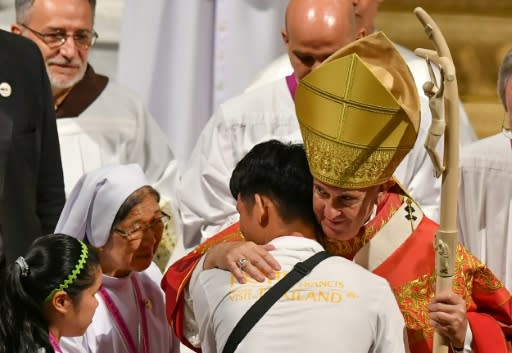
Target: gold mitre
{"x":359,"y":114}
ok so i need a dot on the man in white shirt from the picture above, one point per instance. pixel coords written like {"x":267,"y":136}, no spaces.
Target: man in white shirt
{"x":338,"y":307}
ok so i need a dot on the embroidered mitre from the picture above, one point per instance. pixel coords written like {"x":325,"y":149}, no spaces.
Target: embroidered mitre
{"x":359,"y":114}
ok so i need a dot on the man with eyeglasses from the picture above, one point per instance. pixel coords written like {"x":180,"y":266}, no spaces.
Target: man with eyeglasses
{"x":113,"y":125}
{"x":99,"y":122}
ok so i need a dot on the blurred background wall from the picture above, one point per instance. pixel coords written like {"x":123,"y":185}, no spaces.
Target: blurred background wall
{"x":478,"y":32}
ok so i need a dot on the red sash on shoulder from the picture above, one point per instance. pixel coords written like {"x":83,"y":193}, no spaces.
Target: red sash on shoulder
{"x":178,"y":276}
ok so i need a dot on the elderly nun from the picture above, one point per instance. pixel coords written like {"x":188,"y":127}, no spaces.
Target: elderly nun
{"x":116,"y":211}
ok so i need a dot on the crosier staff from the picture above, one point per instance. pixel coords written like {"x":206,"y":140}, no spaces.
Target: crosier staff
{"x":443,"y":102}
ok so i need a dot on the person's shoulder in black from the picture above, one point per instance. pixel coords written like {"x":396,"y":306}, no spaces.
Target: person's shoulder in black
{"x":31,"y":182}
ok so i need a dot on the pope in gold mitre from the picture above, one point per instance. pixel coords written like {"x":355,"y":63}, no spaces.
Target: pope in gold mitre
{"x":359,"y":115}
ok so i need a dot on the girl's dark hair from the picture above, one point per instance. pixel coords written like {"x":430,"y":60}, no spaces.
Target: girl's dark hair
{"x":50,"y":259}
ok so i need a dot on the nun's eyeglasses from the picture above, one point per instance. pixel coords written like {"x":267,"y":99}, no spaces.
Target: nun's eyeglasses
{"x":138,"y":231}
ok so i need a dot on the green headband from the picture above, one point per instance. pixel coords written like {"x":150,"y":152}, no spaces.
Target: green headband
{"x":76,"y":271}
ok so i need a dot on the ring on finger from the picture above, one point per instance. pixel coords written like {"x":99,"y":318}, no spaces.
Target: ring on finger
{"x":242,"y":263}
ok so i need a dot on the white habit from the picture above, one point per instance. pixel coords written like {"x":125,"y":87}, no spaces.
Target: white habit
{"x":339,"y":307}
{"x":485,"y":203}
{"x":103,"y":335}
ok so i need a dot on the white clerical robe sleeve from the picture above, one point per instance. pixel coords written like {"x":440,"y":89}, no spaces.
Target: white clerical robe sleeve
{"x":206,"y":203}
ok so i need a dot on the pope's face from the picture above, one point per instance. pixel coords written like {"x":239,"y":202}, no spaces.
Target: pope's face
{"x":343,"y":212}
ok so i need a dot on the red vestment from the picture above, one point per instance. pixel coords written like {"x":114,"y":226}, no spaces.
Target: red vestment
{"x":410,"y":270}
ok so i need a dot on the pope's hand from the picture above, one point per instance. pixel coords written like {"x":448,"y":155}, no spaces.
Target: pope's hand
{"x":243,"y":256}
{"x":448,"y":316}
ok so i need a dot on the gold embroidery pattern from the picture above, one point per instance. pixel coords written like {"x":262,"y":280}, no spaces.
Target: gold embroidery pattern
{"x":414,"y":297}
{"x":347,"y":166}
{"x":237,"y":235}
{"x":474,"y":272}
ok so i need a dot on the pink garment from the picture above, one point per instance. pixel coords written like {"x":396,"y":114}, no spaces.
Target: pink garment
{"x":291,"y":81}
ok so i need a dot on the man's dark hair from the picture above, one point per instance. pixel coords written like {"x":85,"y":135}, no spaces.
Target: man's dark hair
{"x":279,"y":171}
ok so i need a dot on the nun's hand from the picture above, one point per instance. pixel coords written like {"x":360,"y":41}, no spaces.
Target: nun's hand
{"x":243,"y":256}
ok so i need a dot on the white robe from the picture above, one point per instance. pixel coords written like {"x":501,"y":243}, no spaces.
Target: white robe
{"x":103,"y":335}
{"x":485,"y":203}
{"x":338,"y":307}
{"x":116,"y":129}
{"x":265,"y":113}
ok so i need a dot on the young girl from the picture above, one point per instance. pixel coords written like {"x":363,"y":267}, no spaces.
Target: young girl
{"x":48,"y":294}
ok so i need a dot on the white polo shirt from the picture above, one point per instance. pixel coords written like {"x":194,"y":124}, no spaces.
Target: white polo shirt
{"x":339,"y":307}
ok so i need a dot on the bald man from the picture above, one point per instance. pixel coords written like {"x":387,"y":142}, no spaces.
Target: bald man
{"x":365,"y":13}
{"x":314,"y":30}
